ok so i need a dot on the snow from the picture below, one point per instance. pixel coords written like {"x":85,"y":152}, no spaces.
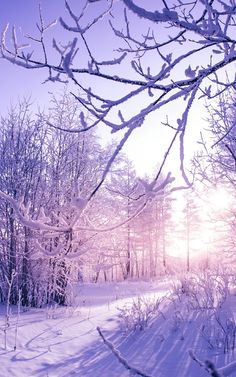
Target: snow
{"x":64,"y":341}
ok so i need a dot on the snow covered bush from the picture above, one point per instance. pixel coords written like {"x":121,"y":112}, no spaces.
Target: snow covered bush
{"x":138,"y":314}
{"x":219,"y":329}
{"x":203,"y":291}
{"x":178,"y":318}
{"x":208,"y":293}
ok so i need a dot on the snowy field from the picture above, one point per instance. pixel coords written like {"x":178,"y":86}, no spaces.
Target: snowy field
{"x":60,"y":342}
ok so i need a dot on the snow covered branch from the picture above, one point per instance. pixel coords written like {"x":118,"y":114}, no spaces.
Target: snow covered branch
{"x":121,"y":87}
{"x":225,"y":371}
{"x":120,"y":358}
{"x":26,"y":221}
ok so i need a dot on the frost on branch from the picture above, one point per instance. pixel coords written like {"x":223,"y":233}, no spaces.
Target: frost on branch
{"x":202,"y":31}
{"x":121,"y":359}
{"x":154,"y":188}
{"x":69,"y":56}
{"x":189,"y":72}
{"x":211,"y":369}
{"x":24,"y":218}
{"x":148,"y":72}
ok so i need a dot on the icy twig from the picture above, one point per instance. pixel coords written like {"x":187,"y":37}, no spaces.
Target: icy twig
{"x":120,"y":358}
{"x":32,"y":224}
{"x":225,"y":371}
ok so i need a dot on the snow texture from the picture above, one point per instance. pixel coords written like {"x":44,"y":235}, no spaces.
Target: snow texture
{"x":64,"y":342}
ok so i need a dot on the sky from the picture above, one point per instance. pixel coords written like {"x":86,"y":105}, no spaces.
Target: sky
{"x":149,"y":143}
{"x":15,"y":81}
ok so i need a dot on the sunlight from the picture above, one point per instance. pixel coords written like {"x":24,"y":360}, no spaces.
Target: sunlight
{"x":219,"y":199}
{"x":197,"y":248}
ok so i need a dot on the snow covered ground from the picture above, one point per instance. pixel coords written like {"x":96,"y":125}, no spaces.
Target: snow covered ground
{"x":60,"y":342}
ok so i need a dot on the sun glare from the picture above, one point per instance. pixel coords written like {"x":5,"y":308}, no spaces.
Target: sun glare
{"x":219,"y":199}
{"x":197,"y":248}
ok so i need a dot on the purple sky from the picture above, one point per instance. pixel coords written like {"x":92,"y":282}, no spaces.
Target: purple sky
{"x":17,"y":82}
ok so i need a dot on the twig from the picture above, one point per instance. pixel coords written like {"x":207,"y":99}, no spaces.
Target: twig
{"x":207,"y":365}
{"x":120,"y":358}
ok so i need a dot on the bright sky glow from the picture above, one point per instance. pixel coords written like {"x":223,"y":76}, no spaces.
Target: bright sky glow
{"x":219,"y":199}
{"x":152,"y":139}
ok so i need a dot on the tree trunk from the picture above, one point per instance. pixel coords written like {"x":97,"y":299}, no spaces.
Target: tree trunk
{"x":25,"y":271}
{"x":12,"y":257}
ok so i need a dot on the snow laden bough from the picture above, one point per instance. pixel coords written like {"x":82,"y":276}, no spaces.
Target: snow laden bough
{"x":210,"y":368}
{"x":198,"y":31}
{"x":78,"y":205}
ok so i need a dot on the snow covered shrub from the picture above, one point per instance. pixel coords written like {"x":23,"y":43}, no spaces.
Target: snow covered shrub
{"x":177,"y":320}
{"x":51,"y":311}
{"x":204,"y":291}
{"x":219,"y":330}
{"x":138,"y":314}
